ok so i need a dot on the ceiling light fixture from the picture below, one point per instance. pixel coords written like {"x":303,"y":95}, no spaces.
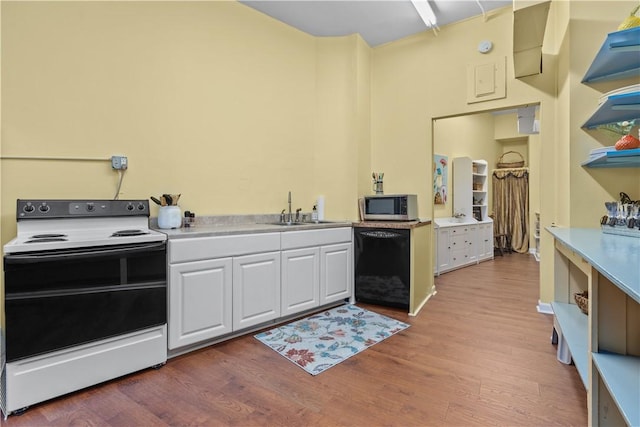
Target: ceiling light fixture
{"x":426,"y":13}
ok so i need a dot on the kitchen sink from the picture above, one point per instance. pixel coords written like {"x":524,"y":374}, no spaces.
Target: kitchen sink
{"x":293,"y":224}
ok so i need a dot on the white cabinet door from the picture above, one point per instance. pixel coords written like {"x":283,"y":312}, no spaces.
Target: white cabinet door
{"x":336,"y":275}
{"x":485,"y":241}
{"x":256,"y":289}
{"x":472,"y":244}
{"x":300,"y":280}
{"x":443,"y":250}
{"x":199,"y":301}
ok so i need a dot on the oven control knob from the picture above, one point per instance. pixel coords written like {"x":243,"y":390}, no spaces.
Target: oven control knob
{"x":130,"y":207}
{"x":28,"y":207}
{"x":140,"y":206}
{"x":91,"y":207}
{"x":43,"y":208}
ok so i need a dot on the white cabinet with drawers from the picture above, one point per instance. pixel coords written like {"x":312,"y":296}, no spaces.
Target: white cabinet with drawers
{"x":462,"y":244}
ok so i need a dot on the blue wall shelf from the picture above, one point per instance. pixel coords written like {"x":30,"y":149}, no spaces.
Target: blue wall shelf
{"x":616,"y":108}
{"x":618,"y":58}
{"x":615,"y":159}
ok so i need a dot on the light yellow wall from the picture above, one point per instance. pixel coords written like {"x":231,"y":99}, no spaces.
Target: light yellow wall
{"x":341,"y":147}
{"x":212,"y":100}
{"x":590,"y":188}
{"x":423,"y":77}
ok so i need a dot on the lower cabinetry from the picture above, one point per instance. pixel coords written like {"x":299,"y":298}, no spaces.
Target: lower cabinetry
{"x":604,"y":345}
{"x":459,"y":245}
{"x":223,"y":284}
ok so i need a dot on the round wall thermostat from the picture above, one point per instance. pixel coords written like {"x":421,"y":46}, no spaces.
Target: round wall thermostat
{"x":485,"y":46}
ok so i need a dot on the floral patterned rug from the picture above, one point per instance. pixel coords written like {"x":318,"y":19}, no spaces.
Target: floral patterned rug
{"x":323,"y":340}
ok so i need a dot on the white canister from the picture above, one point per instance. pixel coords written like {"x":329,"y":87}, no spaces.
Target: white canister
{"x":169,"y":217}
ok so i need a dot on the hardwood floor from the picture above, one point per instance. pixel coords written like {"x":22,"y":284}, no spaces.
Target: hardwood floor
{"x":478,"y":354}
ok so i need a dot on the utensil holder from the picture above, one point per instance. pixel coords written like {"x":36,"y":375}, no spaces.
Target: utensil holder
{"x":169,"y":217}
{"x":378,"y":187}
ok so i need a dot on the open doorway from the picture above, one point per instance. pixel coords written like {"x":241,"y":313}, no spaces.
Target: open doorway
{"x":499,"y":136}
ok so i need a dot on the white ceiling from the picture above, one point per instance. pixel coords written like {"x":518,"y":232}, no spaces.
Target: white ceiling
{"x":377,"y":21}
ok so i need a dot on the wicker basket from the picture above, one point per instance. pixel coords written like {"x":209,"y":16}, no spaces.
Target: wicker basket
{"x":505,"y":165}
{"x":582,"y":299}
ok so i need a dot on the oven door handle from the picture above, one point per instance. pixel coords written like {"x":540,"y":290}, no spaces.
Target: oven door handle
{"x":34,"y":257}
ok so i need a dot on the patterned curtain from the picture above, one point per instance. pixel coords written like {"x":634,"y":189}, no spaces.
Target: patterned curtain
{"x":511,"y":206}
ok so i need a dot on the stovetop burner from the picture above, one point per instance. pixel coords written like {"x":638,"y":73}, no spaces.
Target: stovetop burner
{"x":126,"y":233}
{"x":47,"y":239}
{"x":51,"y":225}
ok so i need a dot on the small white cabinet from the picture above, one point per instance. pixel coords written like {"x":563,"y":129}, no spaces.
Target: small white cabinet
{"x":330,"y":253}
{"x":484,"y":243}
{"x":462,"y":244}
{"x":220,"y":284}
{"x":199,"y":301}
{"x":300,"y":280}
{"x":336,"y":276}
{"x":256,"y":289}
{"x":443,"y":250}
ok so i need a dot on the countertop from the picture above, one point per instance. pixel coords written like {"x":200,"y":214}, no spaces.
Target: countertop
{"x":615,"y":257}
{"x":393,"y":224}
{"x":241,"y":224}
{"x":451,"y":222}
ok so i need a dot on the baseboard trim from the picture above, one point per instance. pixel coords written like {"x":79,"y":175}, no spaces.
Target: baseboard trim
{"x":544,"y":307}
{"x":431,"y":293}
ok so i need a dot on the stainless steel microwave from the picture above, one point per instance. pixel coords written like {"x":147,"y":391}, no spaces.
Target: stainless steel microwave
{"x":392,"y":207}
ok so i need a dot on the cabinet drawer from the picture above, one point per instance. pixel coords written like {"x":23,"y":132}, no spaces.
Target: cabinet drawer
{"x":459,"y":242}
{"x":459,"y":257}
{"x":199,"y":248}
{"x":456,"y":231}
{"x":305,"y":238}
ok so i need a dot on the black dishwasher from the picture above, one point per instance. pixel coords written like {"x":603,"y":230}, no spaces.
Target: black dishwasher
{"x":382,"y":266}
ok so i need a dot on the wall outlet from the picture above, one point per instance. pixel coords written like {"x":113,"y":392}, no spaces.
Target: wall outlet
{"x":119,"y":162}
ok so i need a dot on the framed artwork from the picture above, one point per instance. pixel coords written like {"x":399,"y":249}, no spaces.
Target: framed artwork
{"x":440,"y":173}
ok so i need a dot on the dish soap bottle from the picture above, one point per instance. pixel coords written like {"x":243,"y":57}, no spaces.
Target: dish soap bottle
{"x":314,"y":214}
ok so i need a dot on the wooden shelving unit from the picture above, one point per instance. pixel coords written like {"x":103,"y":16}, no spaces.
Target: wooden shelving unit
{"x":479,"y":184}
{"x":607,"y":341}
{"x":470,"y":188}
{"x":605,"y":344}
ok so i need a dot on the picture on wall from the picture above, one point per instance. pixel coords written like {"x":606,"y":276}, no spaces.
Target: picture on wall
{"x":440,"y":172}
